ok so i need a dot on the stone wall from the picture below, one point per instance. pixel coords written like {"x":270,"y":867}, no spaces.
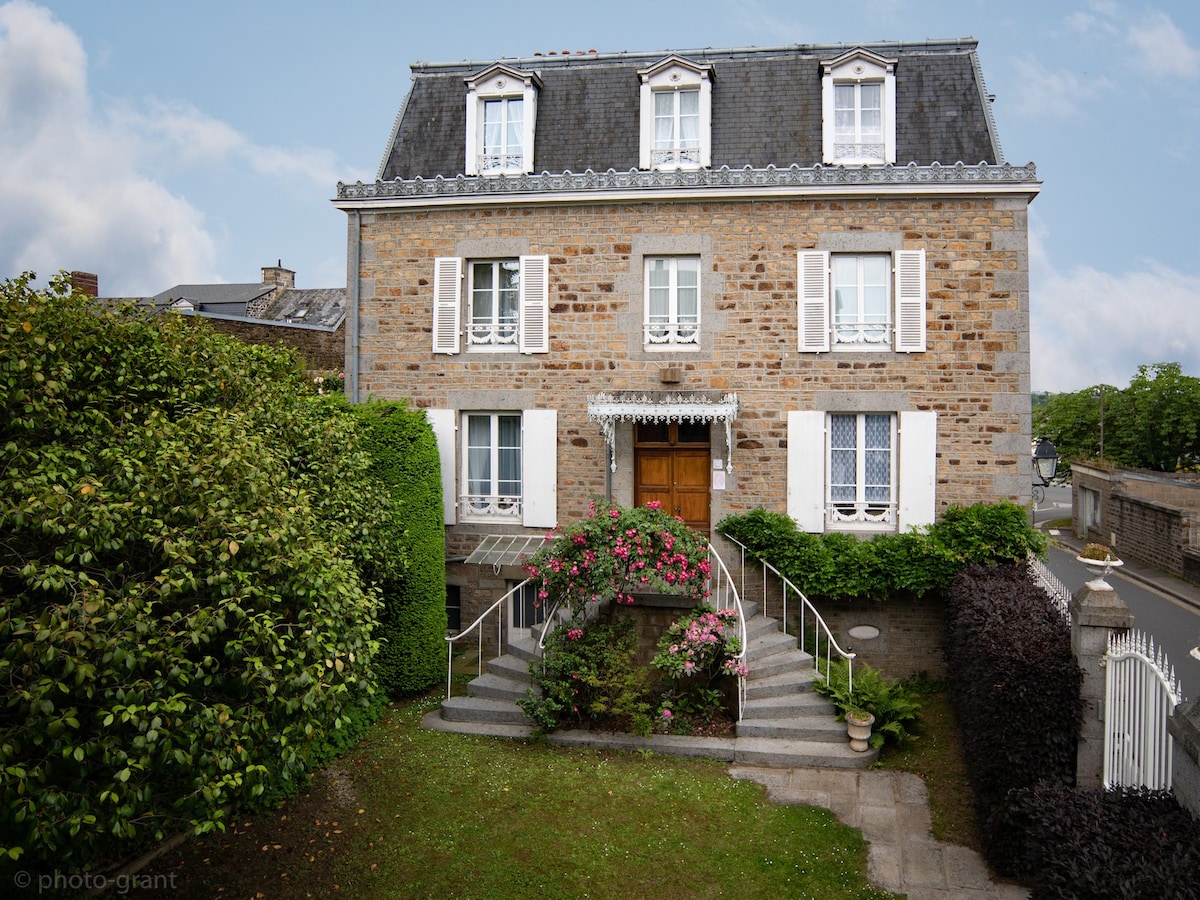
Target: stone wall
{"x":321,"y":350}
{"x":1153,"y":518}
{"x":910,"y":639}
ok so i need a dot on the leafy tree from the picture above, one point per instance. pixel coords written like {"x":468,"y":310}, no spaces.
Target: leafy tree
{"x":1152,"y":424}
{"x":184,"y":534}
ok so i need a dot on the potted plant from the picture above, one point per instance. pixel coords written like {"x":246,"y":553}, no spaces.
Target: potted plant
{"x":858,"y":728}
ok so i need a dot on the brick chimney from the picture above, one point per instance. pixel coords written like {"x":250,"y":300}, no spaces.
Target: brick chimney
{"x":86,"y":283}
{"x":282,"y":280}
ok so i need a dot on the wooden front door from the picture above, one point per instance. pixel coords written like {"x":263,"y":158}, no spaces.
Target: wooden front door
{"x":672,"y":463}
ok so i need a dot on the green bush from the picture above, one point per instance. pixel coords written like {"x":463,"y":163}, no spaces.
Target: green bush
{"x":587,"y":677}
{"x":412,"y":627}
{"x":696,"y":655}
{"x":894,"y":704}
{"x":184,"y":626}
{"x":840,"y":566}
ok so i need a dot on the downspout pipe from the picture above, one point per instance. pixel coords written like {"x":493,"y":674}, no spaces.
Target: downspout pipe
{"x":354,"y":282}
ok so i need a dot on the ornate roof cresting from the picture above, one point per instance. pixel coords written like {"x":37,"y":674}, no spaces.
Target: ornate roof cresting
{"x":794,"y":176}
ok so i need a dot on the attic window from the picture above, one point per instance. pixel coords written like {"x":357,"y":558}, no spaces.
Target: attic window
{"x":501,"y":113}
{"x":676,"y":115}
{"x":858,"y":109}
{"x":300,"y":313}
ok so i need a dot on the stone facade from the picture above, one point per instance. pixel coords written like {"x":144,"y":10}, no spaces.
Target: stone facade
{"x":974,"y":374}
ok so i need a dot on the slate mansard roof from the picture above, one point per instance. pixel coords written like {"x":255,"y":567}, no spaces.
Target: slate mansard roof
{"x":766,"y":109}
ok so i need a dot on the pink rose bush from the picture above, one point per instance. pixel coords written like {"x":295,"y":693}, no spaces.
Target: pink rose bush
{"x":618,"y":551}
{"x":703,"y":645}
{"x":693,"y":654}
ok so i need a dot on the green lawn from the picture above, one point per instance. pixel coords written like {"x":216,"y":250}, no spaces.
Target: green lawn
{"x":413,"y":813}
{"x":447,"y":815}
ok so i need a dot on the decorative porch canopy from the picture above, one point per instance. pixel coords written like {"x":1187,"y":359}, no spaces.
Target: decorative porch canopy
{"x":662,"y":406}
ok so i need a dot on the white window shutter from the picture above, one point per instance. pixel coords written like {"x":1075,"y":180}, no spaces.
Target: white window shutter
{"x":535,"y":304}
{"x":539,"y":468}
{"x":806,"y":469}
{"x":813,"y":272}
{"x":918,"y":468}
{"x":444,"y":423}
{"x":447,"y":285}
{"x":910,"y":301}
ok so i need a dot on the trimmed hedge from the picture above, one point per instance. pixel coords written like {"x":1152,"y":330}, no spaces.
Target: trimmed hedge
{"x":840,"y":566}
{"x":1015,"y":687}
{"x":412,"y":623}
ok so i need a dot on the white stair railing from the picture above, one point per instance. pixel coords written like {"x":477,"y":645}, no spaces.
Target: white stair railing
{"x":723,"y":587}
{"x":808,"y":615}
{"x":498,"y":609}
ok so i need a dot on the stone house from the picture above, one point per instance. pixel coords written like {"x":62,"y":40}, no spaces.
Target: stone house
{"x":794,"y":278}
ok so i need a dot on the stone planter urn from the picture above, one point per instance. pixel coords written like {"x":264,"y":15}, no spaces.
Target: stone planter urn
{"x":858,"y":727}
{"x":1100,"y":560}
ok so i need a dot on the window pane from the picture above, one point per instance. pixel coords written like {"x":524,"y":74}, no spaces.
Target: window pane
{"x":493,"y":126}
{"x":653,"y":432}
{"x":878,"y":461}
{"x":515,"y":123}
{"x":875,"y":289}
{"x":693,"y":433}
{"x":479,"y":454}
{"x":510,"y":286}
{"x":509,"y":456}
{"x":664,"y":119}
{"x":843,"y":459}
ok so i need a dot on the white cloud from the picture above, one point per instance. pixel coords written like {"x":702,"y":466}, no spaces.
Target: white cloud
{"x":70,"y":195}
{"x":1055,"y":94}
{"x":1162,"y":49}
{"x":1092,"y":327}
{"x":86,"y":188}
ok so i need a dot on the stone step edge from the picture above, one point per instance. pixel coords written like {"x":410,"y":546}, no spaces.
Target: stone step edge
{"x":765,"y":752}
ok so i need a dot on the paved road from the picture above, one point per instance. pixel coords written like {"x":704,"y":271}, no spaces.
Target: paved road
{"x":1174,"y":624}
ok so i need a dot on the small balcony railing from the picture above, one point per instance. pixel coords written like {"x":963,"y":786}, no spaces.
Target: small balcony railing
{"x":661,"y":333}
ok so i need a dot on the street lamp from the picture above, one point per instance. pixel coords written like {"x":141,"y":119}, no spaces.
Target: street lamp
{"x":1045,"y":460}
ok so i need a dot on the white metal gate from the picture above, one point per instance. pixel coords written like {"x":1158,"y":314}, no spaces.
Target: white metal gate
{"x":1141,"y":692}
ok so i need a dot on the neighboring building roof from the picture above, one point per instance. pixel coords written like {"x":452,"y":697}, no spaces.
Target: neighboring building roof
{"x":313,"y":306}
{"x":266,"y":302}
{"x":766,"y":109}
{"x":213,"y":299}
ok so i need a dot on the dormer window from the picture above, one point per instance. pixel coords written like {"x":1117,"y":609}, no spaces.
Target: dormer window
{"x":858,"y":108}
{"x":501,"y":113}
{"x":676,"y":118}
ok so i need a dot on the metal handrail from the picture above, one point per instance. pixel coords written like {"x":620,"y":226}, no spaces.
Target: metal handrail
{"x":724,"y":582}
{"x":478,"y":625}
{"x":806,"y":608}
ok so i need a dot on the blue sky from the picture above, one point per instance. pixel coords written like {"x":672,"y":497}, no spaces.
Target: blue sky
{"x":158,"y":143}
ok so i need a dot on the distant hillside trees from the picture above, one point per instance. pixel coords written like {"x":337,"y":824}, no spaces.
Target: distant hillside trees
{"x":194,"y":553}
{"x":1152,"y":424}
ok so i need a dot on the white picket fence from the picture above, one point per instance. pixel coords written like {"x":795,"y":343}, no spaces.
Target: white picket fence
{"x":1141,"y":694}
